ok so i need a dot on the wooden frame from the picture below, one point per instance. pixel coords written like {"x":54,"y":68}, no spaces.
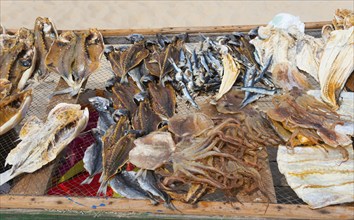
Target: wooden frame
{"x":204,"y":208}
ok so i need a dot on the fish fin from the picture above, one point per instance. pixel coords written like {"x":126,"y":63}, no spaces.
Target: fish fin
{"x":7,"y":176}
{"x":61,"y":92}
{"x":88,"y":180}
{"x":103,"y":188}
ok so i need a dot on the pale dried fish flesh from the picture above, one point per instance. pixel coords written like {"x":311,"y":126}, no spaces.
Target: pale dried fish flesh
{"x":336,"y":65}
{"x":45,"y":34}
{"x":318,"y":174}
{"x":5,"y":87}
{"x":13,"y":109}
{"x":231,"y":71}
{"x":63,"y":124}
{"x":75,"y":56}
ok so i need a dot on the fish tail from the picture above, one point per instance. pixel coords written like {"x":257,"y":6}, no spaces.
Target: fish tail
{"x":88,"y":180}
{"x":102,"y":189}
{"x":7,"y":176}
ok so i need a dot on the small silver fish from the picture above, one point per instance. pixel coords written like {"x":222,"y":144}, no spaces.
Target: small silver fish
{"x":93,"y":157}
{"x":260,"y":90}
{"x":187,"y":95}
{"x":104,"y":108}
{"x":126,"y":184}
{"x":254,"y":97}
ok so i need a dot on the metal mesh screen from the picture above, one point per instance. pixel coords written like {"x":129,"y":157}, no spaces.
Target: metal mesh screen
{"x":69,"y":172}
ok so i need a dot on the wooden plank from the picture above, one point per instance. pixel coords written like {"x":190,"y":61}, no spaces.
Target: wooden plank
{"x":202,"y":208}
{"x":177,"y":30}
{"x":37,"y":183}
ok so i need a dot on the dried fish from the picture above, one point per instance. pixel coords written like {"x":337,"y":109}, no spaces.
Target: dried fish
{"x":163,"y":99}
{"x":124,"y":61}
{"x":63,"y":124}
{"x":123,"y":96}
{"x":5,"y":87}
{"x":13,"y":109}
{"x":45,"y":34}
{"x":145,"y":118}
{"x":105,"y":110}
{"x":231,"y":71}
{"x":318,"y":174}
{"x":335,"y":67}
{"x":93,"y":157}
{"x":116,"y":147}
{"x":75,"y":56}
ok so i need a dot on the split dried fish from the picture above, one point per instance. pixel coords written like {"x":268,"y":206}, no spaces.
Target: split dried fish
{"x":123,"y":96}
{"x":335,"y":67}
{"x":63,"y":124}
{"x":145,"y":119}
{"x":124,"y":61}
{"x":75,"y":56}
{"x":163,"y":99}
{"x":116,"y":148}
{"x":318,"y":174}
{"x":231,"y":71}
{"x":13,"y":109}
{"x":45,"y":34}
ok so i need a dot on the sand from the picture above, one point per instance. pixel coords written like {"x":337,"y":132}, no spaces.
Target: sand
{"x":155,"y":14}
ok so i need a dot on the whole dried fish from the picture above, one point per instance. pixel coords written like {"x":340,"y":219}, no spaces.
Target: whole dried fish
{"x":13,"y":109}
{"x":45,"y":34}
{"x":63,"y":124}
{"x":75,"y":56}
{"x":126,"y":184}
{"x":93,"y":157}
{"x":105,"y":110}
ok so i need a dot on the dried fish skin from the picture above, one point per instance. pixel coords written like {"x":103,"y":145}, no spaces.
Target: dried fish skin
{"x":124,"y":61}
{"x":63,"y":124}
{"x":163,"y":99}
{"x":191,"y":125}
{"x":145,"y":118}
{"x":45,"y":34}
{"x":231,"y":72}
{"x":335,"y":67}
{"x":152,"y":150}
{"x":318,"y":174}
{"x":343,"y":19}
{"x":13,"y":109}
{"x":75,"y":56}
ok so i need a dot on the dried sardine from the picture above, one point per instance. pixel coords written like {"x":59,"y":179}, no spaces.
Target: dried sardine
{"x":45,"y":34}
{"x":13,"y":109}
{"x":63,"y":124}
{"x":75,"y":56}
{"x":93,"y":157}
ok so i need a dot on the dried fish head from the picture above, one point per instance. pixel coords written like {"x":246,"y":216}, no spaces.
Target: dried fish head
{"x":13,"y":109}
{"x":191,"y":125}
{"x":63,"y":124}
{"x":152,"y":150}
{"x":45,"y":34}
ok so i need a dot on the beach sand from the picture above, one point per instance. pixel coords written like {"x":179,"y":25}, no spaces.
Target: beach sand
{"x":155,"y":14}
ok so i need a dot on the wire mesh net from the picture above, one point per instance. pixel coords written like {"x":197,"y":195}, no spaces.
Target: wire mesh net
{"x":69,"y":172}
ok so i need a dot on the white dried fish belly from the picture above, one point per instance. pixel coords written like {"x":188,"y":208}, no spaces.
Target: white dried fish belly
{"x":318,"y":175}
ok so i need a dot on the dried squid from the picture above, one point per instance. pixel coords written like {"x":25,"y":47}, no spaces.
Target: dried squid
{"x":41,"y":142}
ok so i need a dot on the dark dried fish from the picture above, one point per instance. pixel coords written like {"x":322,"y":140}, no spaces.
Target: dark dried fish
{"x":123,"y":96}
{"x":145,"y":118}
{"x":163,"y":99}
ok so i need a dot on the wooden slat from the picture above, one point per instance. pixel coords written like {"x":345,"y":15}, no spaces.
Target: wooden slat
{"x":202,"y":208}
{"x":177,"y":30}
{"x":37,"y":183}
